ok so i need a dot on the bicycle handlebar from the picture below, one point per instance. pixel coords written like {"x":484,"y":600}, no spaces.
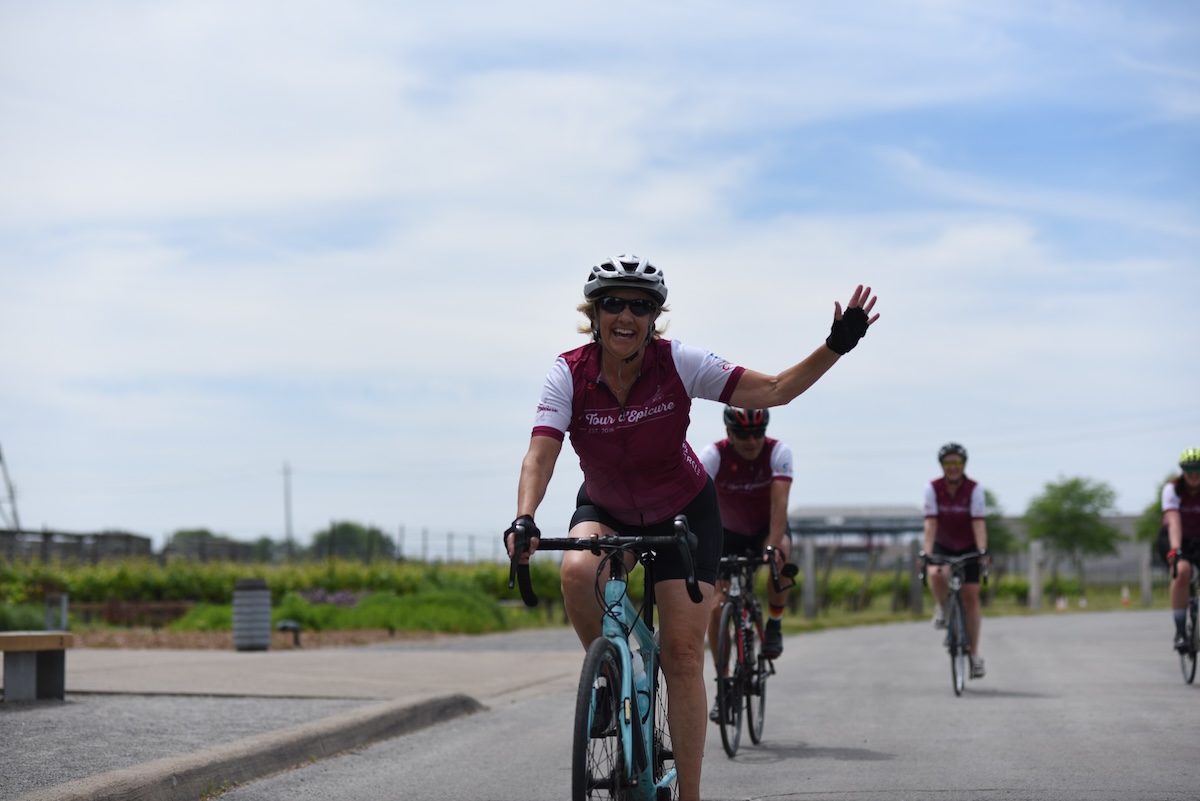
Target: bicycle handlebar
{"x":1179,"y":554}
{"x":684,"y":539}
{"x":788,"y":572}
{"x":955,"y":561}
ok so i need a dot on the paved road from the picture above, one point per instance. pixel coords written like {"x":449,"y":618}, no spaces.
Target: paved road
{"x":1074,"y":707}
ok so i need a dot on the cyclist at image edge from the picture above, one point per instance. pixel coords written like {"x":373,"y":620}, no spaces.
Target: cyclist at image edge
{"x":625,"y":399}
{"x":955,"y":524}
{"x":1181,"y":517}
{"x":753,"y":475}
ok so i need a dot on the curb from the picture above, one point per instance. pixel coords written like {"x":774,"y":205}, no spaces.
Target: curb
{"x":222,"y":767}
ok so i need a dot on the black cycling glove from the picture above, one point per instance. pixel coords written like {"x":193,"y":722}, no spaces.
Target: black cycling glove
{"x":845,"y":333}
{"x":526,"y":522}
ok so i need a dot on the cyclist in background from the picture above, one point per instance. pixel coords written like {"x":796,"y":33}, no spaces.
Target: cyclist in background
{"x":955,"y":524}
{"x":625,"y":399}
{"x":1181,"y":517}
{"x":753,"y":474}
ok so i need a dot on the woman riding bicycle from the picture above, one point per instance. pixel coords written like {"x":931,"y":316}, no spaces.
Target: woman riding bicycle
{"x":954,"y":525}
{"x":1181,"y":518}
{"x":625,"y":399}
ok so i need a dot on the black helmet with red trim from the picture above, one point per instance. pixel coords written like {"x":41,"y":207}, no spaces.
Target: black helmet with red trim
{"x":739,"y":419}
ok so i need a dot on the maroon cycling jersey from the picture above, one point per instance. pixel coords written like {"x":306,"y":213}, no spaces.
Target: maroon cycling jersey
{"x":636,"y":462}
{"x":1187,"y":505}
{"x":955,"y":512}
{"x":744,"y":487}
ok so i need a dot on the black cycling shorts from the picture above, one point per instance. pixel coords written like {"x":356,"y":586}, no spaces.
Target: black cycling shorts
{"x":704,"y":519}
{"x":1189,"y":546}
{"x":971,"y":568}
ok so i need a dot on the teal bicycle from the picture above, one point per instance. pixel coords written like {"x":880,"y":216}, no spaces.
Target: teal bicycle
{"x":621,"y":748}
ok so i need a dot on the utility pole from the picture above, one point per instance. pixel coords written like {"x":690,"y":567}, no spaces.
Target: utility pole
{"x":15,"y":523}
{"x":287,"y":511}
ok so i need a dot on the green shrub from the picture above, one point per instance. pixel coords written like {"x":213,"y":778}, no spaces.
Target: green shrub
{"x":205,"y":617}
{"x":22,"y":617}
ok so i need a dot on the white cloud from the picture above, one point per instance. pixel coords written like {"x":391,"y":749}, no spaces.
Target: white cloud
{"x":231,"y":236}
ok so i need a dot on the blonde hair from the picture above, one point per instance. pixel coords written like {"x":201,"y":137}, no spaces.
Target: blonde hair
{"x":588,"y":309}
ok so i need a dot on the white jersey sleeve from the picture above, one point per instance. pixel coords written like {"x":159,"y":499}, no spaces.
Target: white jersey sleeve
{"x":710,"y":457}
{"x":978,"y":502}
{"x":930,"y":504}
{"x":554,"y":405}
{"x":704,"y":374}
{"x":781,"y":461}
{"x":1170,"y":498}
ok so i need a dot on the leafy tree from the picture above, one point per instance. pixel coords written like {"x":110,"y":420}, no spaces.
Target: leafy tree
{"x":264,"y":549}
{"x":1150,"y":522}
{"x":1069,"y":517}
{"x":353,"y":541}
{"x":183,"y":536}
{"x":1000,"y":537}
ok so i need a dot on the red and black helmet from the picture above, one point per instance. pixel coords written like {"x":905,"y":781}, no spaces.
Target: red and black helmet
{"x":739,"y":419}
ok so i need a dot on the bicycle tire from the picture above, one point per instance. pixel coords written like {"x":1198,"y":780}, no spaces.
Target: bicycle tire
{"x":956,"y":637}
{"x":664,"y":756}
{"x":729,"y":678}
{"x":757,"y":669}
{"x":598,"y":769}
{"x":1191,"y":631}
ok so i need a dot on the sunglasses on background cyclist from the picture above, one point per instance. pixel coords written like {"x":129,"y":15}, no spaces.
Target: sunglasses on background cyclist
{"x":953,"y":463}
{"x":755,"y":433}
{"x":639,"y":307}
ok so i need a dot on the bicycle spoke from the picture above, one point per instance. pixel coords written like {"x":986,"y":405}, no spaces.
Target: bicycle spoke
{"x":729,"y":678}
{"x":757,"y":668}
{"x":597,"y":768}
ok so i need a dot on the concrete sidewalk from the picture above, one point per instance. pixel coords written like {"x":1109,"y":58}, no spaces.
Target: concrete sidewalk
{"x":164,"y":725}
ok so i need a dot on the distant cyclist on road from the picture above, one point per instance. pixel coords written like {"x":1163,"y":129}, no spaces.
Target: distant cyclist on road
{"x":753,"y":474}
{"x":955,"y":524}
{"x":1181,"y":518}
{"x":625,"y":399}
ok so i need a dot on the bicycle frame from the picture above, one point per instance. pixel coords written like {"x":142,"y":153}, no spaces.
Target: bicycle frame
{"x":1188,"y":657}
{"x":957,"y":641}
{"x":623,"y":624}
{"x":742,"y":671}
{"x":638,"y":742}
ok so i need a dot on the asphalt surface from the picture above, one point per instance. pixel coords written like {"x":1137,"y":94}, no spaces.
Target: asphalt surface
{"x":1082,"y":706}
{"x":167,"y":725}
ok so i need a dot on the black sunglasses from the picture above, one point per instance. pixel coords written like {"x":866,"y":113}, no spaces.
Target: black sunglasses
{"x":757,"y":433}
{"x":639,"y":307}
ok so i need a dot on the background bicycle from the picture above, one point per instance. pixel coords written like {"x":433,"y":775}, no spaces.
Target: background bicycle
{"x":957,"y":642}
{"x":742,"y":670}
{"x":1191,"y":630}
{"x":621,"y":746}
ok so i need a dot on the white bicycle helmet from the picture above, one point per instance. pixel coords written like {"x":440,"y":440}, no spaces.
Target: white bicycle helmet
{"x":631,"y":272}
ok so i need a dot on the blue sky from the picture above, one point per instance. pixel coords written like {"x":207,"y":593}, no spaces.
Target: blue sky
{"x":351,"y":238}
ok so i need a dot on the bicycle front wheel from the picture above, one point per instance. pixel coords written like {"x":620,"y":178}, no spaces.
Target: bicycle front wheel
{"x":730,"y":677}
{"x":664,"y":756}
{"x":1191,"y":632}
{"x":597,"y":761}
{"x":956,"y":639}
{"x":756,"y":668}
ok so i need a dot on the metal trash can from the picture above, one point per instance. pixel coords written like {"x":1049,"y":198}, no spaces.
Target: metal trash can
{"x":251,"y":615}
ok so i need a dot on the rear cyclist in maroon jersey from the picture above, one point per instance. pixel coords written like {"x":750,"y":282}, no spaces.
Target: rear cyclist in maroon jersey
{"x":955,"y":524}
{"x":625,"y":399}
{"x":1181,"y":518}
{"x":753,"y":474}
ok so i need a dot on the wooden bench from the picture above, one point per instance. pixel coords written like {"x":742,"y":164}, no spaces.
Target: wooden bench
{"x":35,"y":664}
